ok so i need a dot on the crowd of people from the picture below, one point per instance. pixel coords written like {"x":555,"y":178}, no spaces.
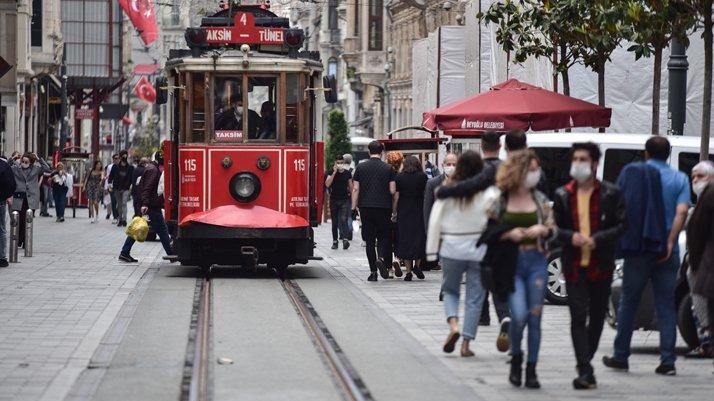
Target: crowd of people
{"x":486,"y":223}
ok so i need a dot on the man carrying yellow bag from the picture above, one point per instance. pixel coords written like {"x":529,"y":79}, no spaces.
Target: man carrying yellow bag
{"x":151,"y":199}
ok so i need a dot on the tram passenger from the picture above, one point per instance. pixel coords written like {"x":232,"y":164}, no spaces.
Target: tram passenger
{"x":230,"y":118}
{"x":267,"y":122}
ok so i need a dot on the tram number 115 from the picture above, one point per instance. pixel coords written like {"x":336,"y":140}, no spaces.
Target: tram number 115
{"x":189,"y":165}
{"x":299,"y":164}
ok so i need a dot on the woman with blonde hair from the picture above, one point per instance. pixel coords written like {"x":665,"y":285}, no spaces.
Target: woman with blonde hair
{"x":525,"y":220}
{"x":395,"y":160}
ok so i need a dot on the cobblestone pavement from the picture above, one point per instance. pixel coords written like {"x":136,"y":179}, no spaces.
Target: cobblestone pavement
{"x":415,"y":306}
{"x":56,"y":306}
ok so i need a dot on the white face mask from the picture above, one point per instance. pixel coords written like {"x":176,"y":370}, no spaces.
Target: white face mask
{"x":581,"y":172}
{"x":532,"y":179}
{"x":449,"y":170}
{"x":340,"y":167}
{"x":238,"y":111}
{"x":698,"y":187}
{"x":25,"y":165}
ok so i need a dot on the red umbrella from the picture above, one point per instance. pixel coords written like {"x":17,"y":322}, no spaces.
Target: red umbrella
{"x":514,"y":105}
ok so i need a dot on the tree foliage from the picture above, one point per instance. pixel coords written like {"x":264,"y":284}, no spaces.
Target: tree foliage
{"x":338,"y":141}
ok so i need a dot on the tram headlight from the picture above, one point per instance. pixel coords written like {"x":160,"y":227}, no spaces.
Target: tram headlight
{"x":244,"y":187}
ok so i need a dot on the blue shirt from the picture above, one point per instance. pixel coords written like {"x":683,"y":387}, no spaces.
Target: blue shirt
{"x":675,"y":189}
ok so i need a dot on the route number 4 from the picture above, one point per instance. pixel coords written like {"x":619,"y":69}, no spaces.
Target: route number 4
{"x":189,"y":165}
{"x":299,"y":164}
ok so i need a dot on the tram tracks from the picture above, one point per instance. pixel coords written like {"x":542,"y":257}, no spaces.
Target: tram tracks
{"x":196,"y":381}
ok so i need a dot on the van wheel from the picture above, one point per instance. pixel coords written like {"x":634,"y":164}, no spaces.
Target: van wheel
{"x":685,"y":322}
{"x":556,"y":294}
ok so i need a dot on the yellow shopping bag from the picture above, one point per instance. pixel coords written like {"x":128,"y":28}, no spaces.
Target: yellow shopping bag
{"x":138,"y":229}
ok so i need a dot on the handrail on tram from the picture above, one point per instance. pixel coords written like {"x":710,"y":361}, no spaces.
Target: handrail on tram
{"x":433,"y":134}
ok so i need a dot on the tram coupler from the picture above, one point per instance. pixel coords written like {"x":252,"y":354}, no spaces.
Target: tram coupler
{"x":14,"y":235}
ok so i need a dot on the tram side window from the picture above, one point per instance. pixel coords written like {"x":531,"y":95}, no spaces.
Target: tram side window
{"x":198,"y":116}
{"x":262,"y":121}
{"x":228,"y":117}
{"x":292,"y":107}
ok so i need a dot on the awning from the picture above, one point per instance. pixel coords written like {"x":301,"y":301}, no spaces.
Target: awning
{"x":145,"y":69}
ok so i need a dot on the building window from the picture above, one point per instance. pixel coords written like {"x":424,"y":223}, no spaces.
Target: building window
{"x":332,"y":15}
{"x":375,"y":24}
{"x":332,"y":66}
{"x":357,"y":12}
{"x":36,"y":28}
{"x":175,"y":16}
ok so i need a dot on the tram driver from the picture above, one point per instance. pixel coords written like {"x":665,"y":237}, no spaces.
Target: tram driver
{"x":230,"y":118}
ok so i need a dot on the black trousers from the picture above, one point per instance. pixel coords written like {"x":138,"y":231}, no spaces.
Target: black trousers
{"x":501,"y":307}
{"x":340,"y":213}
{"x":588,"y":306}
{"x":375,"y":231}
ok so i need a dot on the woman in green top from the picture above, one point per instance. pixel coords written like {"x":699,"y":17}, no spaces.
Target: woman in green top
{"x":528,"y":210}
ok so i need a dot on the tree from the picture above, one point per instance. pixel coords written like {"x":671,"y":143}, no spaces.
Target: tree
{"x":704,"y":10}
{"x":653,"y":24}
{"x":338,"y":142}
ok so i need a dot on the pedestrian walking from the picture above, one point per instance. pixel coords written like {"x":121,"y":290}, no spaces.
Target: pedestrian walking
{"x":62,"y":185}
{"x":490,"y":148}
{"x":411,"y":233}
{"x":349,"y":166}
{"x":432,"y":184}
{"x":455,"y":225}
{"x":112,"y":205}
{"x":120,"y":182}
{"x":700,"y":242}
{"x":94,"y":189}
{"x":521,"y":221}
{"x":46,"y":196}
{"x":702,"y":177}
{"x":339,"y":184}
{"x":27,"y":193}
{"x":591,"y":217}
{"x":430,"y":170}
{"x":152,"y":201}
{"x":7,"y":189}
{"x":135,"y":181}
{"x":657,"y":198}
{"x":395,"y":160}
{"x":373,"y":195}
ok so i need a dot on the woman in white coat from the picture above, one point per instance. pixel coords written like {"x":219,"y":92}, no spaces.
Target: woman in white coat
{"x":455,"y":225}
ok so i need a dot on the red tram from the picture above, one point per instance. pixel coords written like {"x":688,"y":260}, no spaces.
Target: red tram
{"x":242,"y":167}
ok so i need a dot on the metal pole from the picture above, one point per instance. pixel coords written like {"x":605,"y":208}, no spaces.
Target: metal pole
{"x":14,"y":235}
{"x":677,"y":102}
{"x":64,"y":113}
{"x":28,"y":233}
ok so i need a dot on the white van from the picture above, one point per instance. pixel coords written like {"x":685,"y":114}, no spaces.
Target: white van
{"x":617,"y":150}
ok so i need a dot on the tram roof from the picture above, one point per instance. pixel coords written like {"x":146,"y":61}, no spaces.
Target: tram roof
{"x":232,"y":61}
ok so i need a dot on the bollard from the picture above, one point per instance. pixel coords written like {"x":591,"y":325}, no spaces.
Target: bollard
{"x":14,"y":234}
{"x":28,"y":233}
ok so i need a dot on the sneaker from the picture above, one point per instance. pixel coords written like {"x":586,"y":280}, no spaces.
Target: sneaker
{"x":127,"y":258}
{"x":613,"y":363}
{"x":417,"y":272}
{"x":408,"y":277}
{"x":585,"y":382}
{"x":345,"y":244}
{"x":61,"y":220}
{"x":115,"y":221}
{"x":397,"y":269}
{"x":3,"y":263}
{"x":108,"y":216}
{"x":382,"y":269}
{"x":334,"y":245}
{"x":666,"y":370}
{"x":372,"y":276}
{"x":503,"y":341}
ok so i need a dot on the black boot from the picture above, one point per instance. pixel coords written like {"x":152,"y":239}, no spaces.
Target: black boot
{"x":531,"y":377}
{"x":516,"y":370}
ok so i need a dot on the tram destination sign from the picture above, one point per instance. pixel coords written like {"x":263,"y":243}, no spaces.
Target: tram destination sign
{"x":244,"y":31}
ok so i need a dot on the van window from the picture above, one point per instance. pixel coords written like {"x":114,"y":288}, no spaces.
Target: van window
{"x":616,"y":159}
{"x":686,"y":163}
{"x":555,"y":163}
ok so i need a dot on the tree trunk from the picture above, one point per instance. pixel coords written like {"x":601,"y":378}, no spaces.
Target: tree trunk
{"x":707,"y":98}
{"x":564,"y":69}
{"x":601,"y":88}
{"x":656,"y":83}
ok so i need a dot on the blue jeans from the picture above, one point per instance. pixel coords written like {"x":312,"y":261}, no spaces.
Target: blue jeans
{"x":637,"y":271}
{"x":156,"y":221}
{"x":526,"y":302}
{"x":3,"y":229}
{"x":453,"y":272}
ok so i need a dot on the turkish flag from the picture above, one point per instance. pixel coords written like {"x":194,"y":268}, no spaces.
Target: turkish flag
{"x":143,"y":16}
{"x":145,"y":91}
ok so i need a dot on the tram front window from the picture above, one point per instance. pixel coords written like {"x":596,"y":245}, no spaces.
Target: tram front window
{"x":261,"y":101}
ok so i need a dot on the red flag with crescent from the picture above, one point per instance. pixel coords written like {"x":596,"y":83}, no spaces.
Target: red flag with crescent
{"x":142,"y":15}
{"x":145,"y":91}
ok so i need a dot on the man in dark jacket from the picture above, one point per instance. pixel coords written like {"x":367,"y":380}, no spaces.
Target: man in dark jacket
{"x":7,"y":188}
{"x":135,"y":180}
{"x":151,"y":205}
{"x":591,"y":217}
{"x":120,"y":183}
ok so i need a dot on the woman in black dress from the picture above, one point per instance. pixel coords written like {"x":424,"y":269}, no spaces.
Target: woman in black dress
{"x":411,"y":183}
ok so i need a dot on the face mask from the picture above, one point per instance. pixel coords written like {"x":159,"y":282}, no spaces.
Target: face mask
{"x":698,"y":187}
{"x":580,"y":171}
{"x":532,"y":179}
{"x":449,"y":170}
{"x":340,"y":167}
{"x":25,"y":165}
{"x":238,"y":110}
